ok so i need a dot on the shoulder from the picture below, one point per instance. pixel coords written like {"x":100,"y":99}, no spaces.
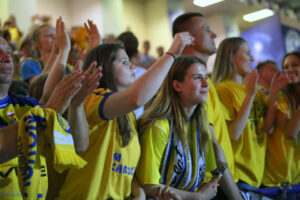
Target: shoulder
{"x":224,"y":86}
{"x":158,"y":133}
{"x":163,"y":125}
{"x":159,"y":129}
{"x":99,"y":94}
{"x":102,"y":92}
{"x":95,"y":102}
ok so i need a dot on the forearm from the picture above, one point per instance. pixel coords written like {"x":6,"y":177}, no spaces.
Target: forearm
{"x":271,"y":113}
{"x":229,"y":186}
{"x":8,"y":142}
{"x":153,"y":190}
{"x":140,"y":92}
{"x":55,"y":75}
{"x":137,"y":190}
{"x":148,"y":84}
{"x":79,"y":127}
{"x":50,"y":61}
{"x":237,"y":126}
{"x":227,"y":183}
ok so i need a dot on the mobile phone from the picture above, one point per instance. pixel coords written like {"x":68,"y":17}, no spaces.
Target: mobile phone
{"x":217,"y":172}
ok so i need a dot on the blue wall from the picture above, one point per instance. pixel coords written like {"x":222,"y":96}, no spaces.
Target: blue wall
{"x":266,"y":41}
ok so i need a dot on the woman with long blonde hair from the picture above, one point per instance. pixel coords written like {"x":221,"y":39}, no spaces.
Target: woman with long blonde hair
{"x":176,"y":144}
{"x":236,"y":85}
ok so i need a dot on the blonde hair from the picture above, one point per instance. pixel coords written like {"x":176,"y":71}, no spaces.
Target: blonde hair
{"x":168,"y":105}
{"x":224,"y":68}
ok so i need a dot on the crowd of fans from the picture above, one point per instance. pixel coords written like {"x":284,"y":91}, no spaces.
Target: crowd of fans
{"x":91,"y":117}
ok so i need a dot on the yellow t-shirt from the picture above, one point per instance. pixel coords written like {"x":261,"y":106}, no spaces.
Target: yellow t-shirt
{"x":14,"y":33}
{"x":216,"y":116}
{"x":264,"y":93}
{"x":250,"y":149}
{"x":282,"y":163}
{"x":110,"y":167}
{"x":154,"y":143}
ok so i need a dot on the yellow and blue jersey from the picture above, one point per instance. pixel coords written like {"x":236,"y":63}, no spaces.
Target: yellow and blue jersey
{"x":12,"y":108}
{"x":110,"y":169}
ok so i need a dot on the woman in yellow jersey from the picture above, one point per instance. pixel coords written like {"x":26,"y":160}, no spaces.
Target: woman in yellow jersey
{"x":283,"y":151}
{"x":176,"y":144}
{"x":237,"y":89}
{"x":114,"y":150}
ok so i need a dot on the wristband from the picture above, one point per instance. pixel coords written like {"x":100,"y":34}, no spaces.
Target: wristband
{"x":171,"y":54}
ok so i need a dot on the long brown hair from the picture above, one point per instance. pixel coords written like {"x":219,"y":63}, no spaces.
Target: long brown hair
{"x":289,"y":89}
{"x":168,"y":105}
{"x":224,"y":68}
{"x":105,"y":55}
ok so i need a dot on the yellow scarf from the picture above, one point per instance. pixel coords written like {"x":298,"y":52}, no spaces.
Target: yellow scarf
{"x":55,"y":145}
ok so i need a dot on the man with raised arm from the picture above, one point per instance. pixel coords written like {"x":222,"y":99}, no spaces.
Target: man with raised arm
{"x":196,"y":25}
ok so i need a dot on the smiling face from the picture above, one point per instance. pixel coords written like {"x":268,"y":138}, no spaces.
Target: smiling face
{"x":204,"y":37}
{"x":292,"y":65}
{"x":124,"y":71}
{"x":243,"y":60}
{"x":6,"y":62}
{"x":194,"y":87}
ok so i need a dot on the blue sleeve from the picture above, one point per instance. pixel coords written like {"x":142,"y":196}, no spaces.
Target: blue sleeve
{"x":101,"y":114}
{"x":30,"y":69}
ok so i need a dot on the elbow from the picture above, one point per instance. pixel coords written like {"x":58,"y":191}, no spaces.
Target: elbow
{"x":82,"y":147}
{"x":136,"y":102}
{"x":235,"y":138}
{"x":291,"y":134}
{"x":235,"y":132}
{"x":269,"y":131}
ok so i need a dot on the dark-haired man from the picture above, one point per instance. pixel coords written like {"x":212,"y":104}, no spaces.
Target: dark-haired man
{"x":266,"y":71}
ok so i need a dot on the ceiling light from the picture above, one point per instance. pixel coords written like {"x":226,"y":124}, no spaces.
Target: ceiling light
{"x":258,"y":15}
{"x":204,"y":3}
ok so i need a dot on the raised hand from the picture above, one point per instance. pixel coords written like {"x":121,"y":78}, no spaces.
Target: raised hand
{"x":181,"y":40}
{"x":89,"y":83}
{"x":93,"y":38}
{"x":65,"y":91}
{"x":62,"y":39}
{"x":251,"y":82}
{"x":279,"y":80}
